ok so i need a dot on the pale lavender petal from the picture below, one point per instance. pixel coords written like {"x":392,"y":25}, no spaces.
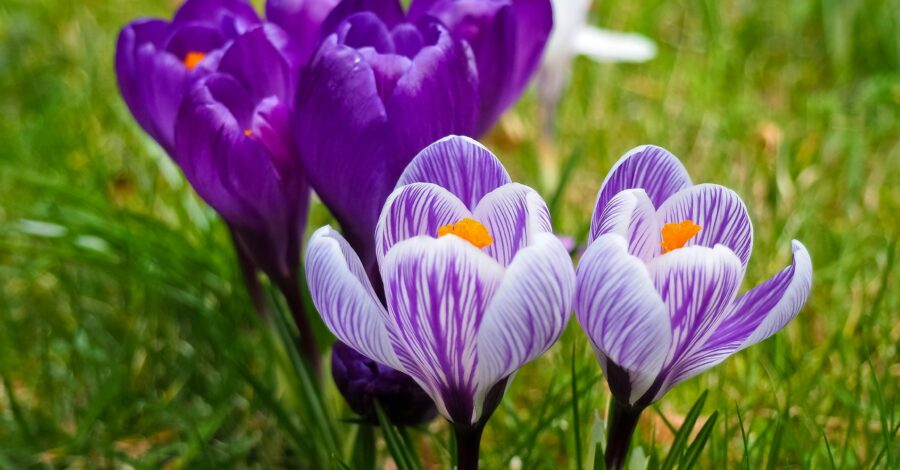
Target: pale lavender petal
{"x":648,"y":167}
{"x":529,"y":312}
{"x":461,"y":165}
{"x":697,"y":284}
{"x":413,"y":210}
{"x":719,"y":212}
{"x":513,"y":215}
{"x":618,"y":307}
{"x":437,"y":292}
{"x":631,"y":215}
{"x":753,"y":317}
{"x":344,"y":297}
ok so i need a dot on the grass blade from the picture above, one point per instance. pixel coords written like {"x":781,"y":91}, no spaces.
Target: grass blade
{"x":684,"y":433}
{"x":693,"y":451}
{"x":576,"y":416}
{"x":396,"y":444}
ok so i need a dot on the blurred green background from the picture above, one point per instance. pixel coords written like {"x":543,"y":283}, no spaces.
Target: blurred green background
{"x":126,"y":338}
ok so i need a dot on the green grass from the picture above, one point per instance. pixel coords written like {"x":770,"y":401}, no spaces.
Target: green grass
{"x":126,"y":337}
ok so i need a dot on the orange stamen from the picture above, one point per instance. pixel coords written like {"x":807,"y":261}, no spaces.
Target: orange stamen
{"x":248,"y":132}
{"x":191,"y":59}
{"x":469,"y":230}
{"x":675,"y":235}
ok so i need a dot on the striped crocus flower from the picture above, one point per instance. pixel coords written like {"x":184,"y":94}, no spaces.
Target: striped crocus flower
{"x":475,"y":283}
{"x":657,"y":287}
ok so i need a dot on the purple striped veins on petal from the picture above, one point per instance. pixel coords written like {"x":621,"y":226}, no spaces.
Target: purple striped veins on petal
{"x":631,"y":215}
{"x":413,"y":210}
{"x":513,"y":214}
{"x":437,"y":292}
{"x":459,"y":164}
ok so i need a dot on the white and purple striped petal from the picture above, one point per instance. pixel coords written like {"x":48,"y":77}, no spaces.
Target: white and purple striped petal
{"x":651,"y":168}
{"x":618,"y":307}
{"x":413,"y":210}
{"x":513,"y":215}
{"x":719,"y":212}
{"x":697,"y":285}
{"x":344,"y":297}
{"x":529,"y":311}
{"x":460,"y":165}
{"x":438,"y":290}
{"x":753,"y":317}
{"x":631,"y":214}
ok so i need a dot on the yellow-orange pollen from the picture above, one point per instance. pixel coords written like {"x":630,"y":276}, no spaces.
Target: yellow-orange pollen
{"x":191,"y":59}
{"x":248,"y":132}
{"x":469,"y":230}
{"x":674,"y":236}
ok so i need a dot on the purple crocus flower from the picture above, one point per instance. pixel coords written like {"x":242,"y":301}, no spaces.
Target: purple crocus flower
{"x":657,"y":287}
{"x":214,"y":87}
{"x":157,"y":61}
{"x":476,"y":283}
{"x":362,"y":381}
{"x":384,"y":84}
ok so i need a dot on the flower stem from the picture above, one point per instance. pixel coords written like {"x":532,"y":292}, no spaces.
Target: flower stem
{"x":468,"y":443}
{"x":622,"y":421}
{"x":290,"y":288}
{"x":251,"y":281}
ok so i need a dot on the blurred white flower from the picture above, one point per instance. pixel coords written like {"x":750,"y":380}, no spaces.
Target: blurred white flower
{"x":572,"y":36}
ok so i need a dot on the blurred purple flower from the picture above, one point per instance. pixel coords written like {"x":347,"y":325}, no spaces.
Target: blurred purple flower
{"x":383,"y":85}
{"x":362,"y":381}
{"x":476,"y":283}
{"x":157,"y":61}
{"x":657,"y":286}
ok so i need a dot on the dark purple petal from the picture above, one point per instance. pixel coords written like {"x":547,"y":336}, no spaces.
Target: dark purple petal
{"x":154,"y":103}
{"x":302,"y":19}
{"x":231,"y":16}
{"x":437,"y":292}
{"x":344,"y":297}
{"x":363,"y":381}
{"x":697,"y":285}
{"x":631,"y":215}
{"x":513,"y":214}
{"x":417,"y":209}
{"x":389,"y":11}
{"x":461,"y":165}
{"x":507,"y":38}
{"x":264,"y":62}
{"x":755,"y":316}
{"x":719,"y":212}
{"x":624,"y":317}
{"x":236,"y":175}
{"x":529,"y":311}
{"x":653,"y":169}
{"x":356,"y":134}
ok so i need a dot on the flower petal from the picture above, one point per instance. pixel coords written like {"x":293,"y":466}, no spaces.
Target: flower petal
{"x":529,"y":311}
{"x":437,"y":293}
{"x":618,"y":307}
{"x":264,"y":61}
{"x":303,"y":20}
{"x":413,"y":210}
{"x":461,"y":165}
{"x":631,"y":215}
{"x":610,"y":46}
{"x":697,"y":285}
{"x":344,"y":297}
{"x":719,"y":212}
{"x":754,"y":316}
{"x":513,"y":215}
{"x":651,"y":168}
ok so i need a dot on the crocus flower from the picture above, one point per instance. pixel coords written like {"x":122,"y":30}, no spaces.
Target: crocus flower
{"x":573,"y":36}
{"x":363,"y":381}
{"x":383,"y":85}
{"x":657,"y":287}
{"x":157,"y":61}
{"x":476,"y":283}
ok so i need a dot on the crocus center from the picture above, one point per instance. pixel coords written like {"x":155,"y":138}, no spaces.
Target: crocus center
{"x":469,"y":230}
{"x":248,"y":132}
{"x":191,"y":59}
{"x":675,"y":235}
